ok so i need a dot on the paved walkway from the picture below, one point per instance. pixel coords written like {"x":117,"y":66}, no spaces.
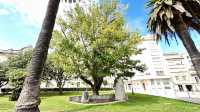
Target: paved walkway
{"x":192,"y":100}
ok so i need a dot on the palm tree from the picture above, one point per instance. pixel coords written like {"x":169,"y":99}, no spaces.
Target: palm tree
{"x":29,"y":97}
{"x":172,"y":18}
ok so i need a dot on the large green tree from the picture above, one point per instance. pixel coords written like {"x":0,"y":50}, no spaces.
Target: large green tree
{"x":171,"y":18}
{"x":29,"y":97}
{"x":95,"y":44}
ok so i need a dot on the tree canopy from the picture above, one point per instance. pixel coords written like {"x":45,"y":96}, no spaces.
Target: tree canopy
{"x":94,"y":43}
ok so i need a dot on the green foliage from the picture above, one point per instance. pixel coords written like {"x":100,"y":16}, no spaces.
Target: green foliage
{"x":3,"y":77}
{"x":17,"y":71}
{"x":53,"y":72}
{"x":16,"y":77}
{"x":16,"y":80}
{"x":94,"y":44}
{"x":17,"y":66}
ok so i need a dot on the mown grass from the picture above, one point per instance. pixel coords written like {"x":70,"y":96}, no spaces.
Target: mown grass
{"x":52,"y":102}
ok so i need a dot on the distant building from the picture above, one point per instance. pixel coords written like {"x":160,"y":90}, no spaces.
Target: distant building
{"x":5,"y":54}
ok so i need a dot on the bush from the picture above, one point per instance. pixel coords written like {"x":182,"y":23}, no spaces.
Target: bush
{"x":7,"y":90}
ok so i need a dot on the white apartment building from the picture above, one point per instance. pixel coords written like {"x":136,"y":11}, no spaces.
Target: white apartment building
{"x":170,"y":74}
{"x":183,"y":75}
{"x":155,"y":80}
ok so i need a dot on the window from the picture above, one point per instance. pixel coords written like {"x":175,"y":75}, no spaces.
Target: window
{"x":155,"y":58}
{"x":144,"y":87}
{"x":78,"y":84}
{"x":177,"y":78}
{"x":197,"y":79}
{"x":188,"y":87}
{"x":180,"y":88}
{"x":152,"y":82}
{"x":167,"y":87}
{"x":166,"y":81}
{"x":130,"y":86}
{"x":148,"y":74}
{"x":159,"y":72}
{"x":184,"y":78}
{"x":158,"y":82}
{"x":70,"y":1}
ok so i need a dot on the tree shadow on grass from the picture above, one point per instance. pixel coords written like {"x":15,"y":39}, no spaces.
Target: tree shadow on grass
{"x":139,"y":99}
{"x":79,"y":109}
{"x":45,"y":95}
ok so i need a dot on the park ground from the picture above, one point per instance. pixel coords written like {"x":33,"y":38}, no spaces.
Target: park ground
{"x":52,"y":102}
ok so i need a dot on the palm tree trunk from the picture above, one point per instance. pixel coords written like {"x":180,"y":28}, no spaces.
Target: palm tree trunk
{"x":189,"y":44}
{"x":29,"y":97}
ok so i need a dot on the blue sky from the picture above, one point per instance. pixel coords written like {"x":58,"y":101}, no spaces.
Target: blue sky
{"x":20,"y":23}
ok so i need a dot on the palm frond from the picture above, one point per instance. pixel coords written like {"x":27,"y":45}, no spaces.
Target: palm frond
{"x":164,"y":13}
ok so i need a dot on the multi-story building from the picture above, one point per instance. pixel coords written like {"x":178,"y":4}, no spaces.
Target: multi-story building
{"x":168,"y":74}
{"x":155,"y":80}
{"x":183,"y":75}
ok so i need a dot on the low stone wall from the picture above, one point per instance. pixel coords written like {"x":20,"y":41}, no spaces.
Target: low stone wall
{"x":94,"y":99}
{"x":102,"y":98}
{"x":75,"y":99}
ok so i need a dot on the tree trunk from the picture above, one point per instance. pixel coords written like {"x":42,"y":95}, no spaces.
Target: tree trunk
{"x":29,"y":97}
{"x":95,"y":91}
{"x":60,"y":88}
{"x":97,"y":85}
{"x":189,"y":44}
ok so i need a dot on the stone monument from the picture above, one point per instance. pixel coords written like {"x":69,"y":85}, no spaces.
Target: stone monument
{"x":120,"y":94}
{"x":85,"y":97}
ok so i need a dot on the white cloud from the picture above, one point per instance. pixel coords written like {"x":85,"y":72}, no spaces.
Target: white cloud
{"x":32,"y":11}
{"x":4,"y":12}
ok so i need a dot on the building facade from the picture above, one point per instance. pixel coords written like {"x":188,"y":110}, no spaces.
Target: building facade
{"x":168,"y":74}
{"x":155,"y":80}
{"x":184,"y":78}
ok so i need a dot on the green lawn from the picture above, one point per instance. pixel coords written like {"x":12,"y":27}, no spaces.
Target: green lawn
{"x":136,"y":103}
